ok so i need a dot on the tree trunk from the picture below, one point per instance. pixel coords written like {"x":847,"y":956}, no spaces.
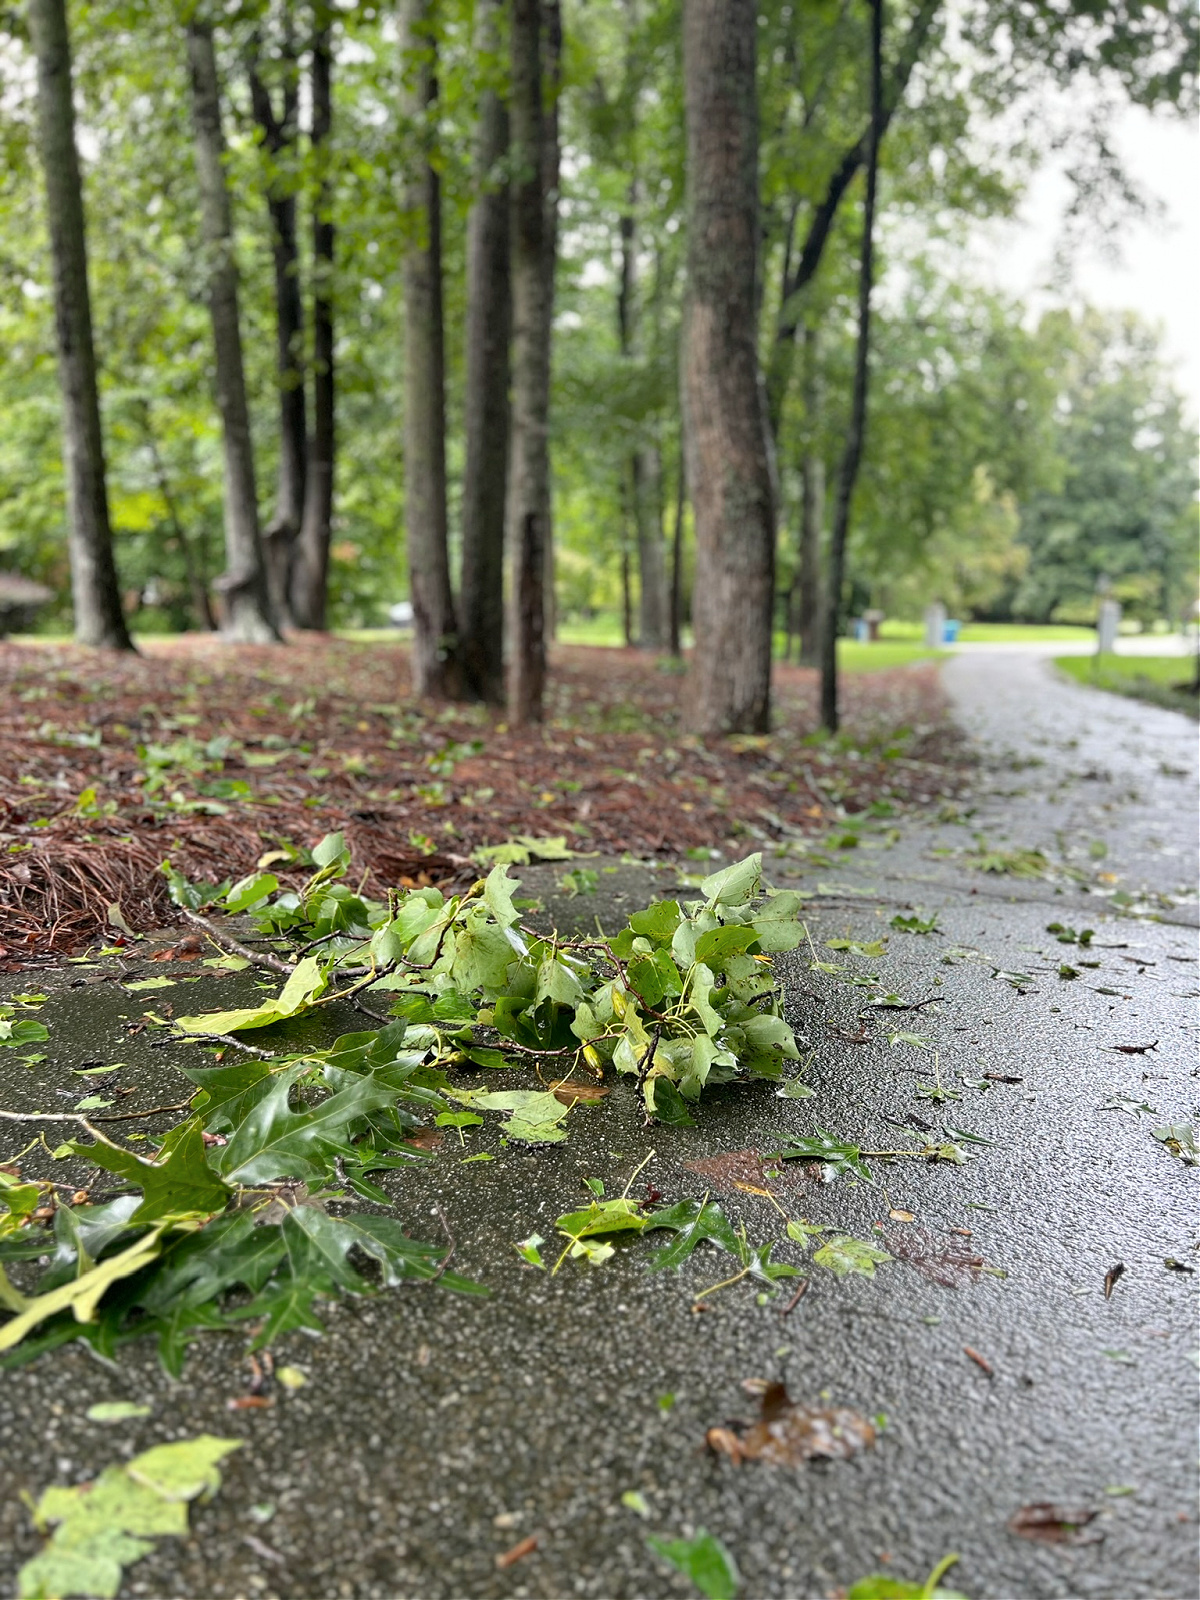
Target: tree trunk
{"x":434,"y":651}
{"x":528,"y":519}
{"x":279,"y":139}
{"x":728,"y":465}
{"x":807,"y":613}
{"x":852,"y":454}
{"x":652,"y":569}
{"x":197,"y":578}
{"x":310,"y":566}
{"x":552,"y":43}
{"x":94,"y":589}
{"x":485,"y":400}
{"x":247,"y":617}
{"x":677,"y":558}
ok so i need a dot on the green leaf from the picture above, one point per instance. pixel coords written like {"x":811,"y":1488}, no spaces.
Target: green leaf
{"x":230,"y":1091}
{"x":821,"y":1146}
{"x":179,"y":1183}
{"x":667,"y":1104}
{"x":718,"y":944}
{"x":855,"y":947}
{"x":844,"y":1254}
{"x":331,"y":852}
{"x":498,"y":896}
{"x":273,"y":1141}
{"x":803,"y":1233}
{"x":117,"y":1411}
{"x":733,"y":886}
{"x":882,"y":1586}
{"x":692,"y":1222}
{"x":83,"y":1294}
{"x":535,"y":1116}
{"x":302,"y":988}
{"x":528,"y":1250}
{"x":658,"y":921}
{"x":26,"y":1030}
{"x":704,"y":1560}
{"x":251,"y":891}
{"x":602,"y":1216}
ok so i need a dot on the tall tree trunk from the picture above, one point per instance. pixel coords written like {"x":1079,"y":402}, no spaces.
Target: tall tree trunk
{"x":435,"y":645}
{"x":485,"y":400}
{"x":280,"y":135}
{"x":247,"y":617}
{"x":728,"y":464}
{"x":528,"y":519}
{"x":552,"y":45}
{"x":310,"y":566}
{"x":197,"y":578}
{"x":677,"y":557}
{"x":856,"y":434}
{"x":653,"y":622}
{"x":807,"y":613}
{"x":95,"y":593}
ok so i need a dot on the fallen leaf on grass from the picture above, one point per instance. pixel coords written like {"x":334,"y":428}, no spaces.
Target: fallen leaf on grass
{"x":1048,"y":1523}
{"x":1111,"y":1276}
{"x":518,"y":1552}
{"x":704,"y":1560}
{"x":788,"y":1434}
{"x":940,"y":1262}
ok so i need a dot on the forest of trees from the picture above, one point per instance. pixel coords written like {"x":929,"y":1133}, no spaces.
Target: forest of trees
{"x":525,"y":308}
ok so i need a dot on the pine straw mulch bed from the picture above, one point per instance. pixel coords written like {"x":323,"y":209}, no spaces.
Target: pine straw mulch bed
{"x":212,"y":755}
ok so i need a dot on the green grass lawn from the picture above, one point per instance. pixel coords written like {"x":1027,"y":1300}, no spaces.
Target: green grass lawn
{"x":1153,"y":678}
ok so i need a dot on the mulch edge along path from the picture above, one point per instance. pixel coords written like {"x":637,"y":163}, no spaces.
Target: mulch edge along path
{"x":213,"y":756}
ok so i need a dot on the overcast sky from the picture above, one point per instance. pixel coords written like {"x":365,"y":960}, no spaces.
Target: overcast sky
{"x":1158,"y":274}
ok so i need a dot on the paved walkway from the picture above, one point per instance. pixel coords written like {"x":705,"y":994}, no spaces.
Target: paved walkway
{"x":434,"y":1433}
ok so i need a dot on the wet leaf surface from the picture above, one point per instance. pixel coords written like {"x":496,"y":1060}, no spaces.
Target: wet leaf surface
{"x":939,"y":1260}
{"x":788,"y":1434}
{"x":1048,"y":1523}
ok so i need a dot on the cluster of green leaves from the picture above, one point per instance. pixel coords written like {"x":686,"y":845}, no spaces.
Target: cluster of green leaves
{"x":229,"y":1221}
{"x":104,"y":1526}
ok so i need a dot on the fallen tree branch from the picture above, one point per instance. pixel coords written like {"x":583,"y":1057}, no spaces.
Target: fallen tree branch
{"x":227,"y":942}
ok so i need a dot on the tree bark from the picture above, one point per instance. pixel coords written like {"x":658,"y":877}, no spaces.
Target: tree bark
{"x":435,"y":644}
{"x":96,"y":595}
{"x":824,"y":214}
{"x":807,"y":613}
{"x":247,"y":616}
{"x":856,"y":434}
{"x":552,"y":47}
{"x":653,"y":623}
{"x":677,"y":559}
{"x":310,"y":566}
{"x":280,"y":135}
{"x":486,"y":398}
{"x":528,"y":519}
{"x":728,"y":462}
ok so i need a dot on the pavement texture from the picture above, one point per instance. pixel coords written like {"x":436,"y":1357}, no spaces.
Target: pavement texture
{"x":435,"y":1432}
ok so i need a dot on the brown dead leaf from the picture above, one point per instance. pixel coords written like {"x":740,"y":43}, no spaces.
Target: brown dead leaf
{"x":1110,"y":1278}
{"x":424,"y":1138}
{"x":518,"y":1552}
{"x":1136,"y":1049}
{"x":250,"y":1402}
{"x":728,"y":1168}
{"x":941,"y":1261}
{"x":981,"y":1362}
{"x":901,"y":1216}
{"x":1002,"y":1077}
{"x":1053,"y":1524}
{"x":575,"y":1089}
{"x":788,"y":1434}
{"x":861,"y":1037}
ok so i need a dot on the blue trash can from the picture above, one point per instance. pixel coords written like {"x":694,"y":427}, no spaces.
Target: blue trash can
{"x":861,"y":632}
{"x":950,"y":632}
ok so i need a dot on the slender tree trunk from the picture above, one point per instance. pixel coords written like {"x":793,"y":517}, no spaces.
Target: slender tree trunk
{"x":807,"y":613}
{"x":552,"y":44}
{"x":529,"y":471}
{"x":197,"y":578}
{"x":435,"y":645}
{"x":626,"y":593}
{"x":728,"y":464}
{"x":310,"y":566}
{"x":280,"y":135}
{"x":653,"y":622}
{"x":486,"y":400}
{"x":677,"y":558}
{"x":95,"y":592}
{"x":856,"y":434}
{"x":247,"y":617}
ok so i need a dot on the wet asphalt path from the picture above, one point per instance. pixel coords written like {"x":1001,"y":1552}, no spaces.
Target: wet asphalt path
{"x":435,"y":1432}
